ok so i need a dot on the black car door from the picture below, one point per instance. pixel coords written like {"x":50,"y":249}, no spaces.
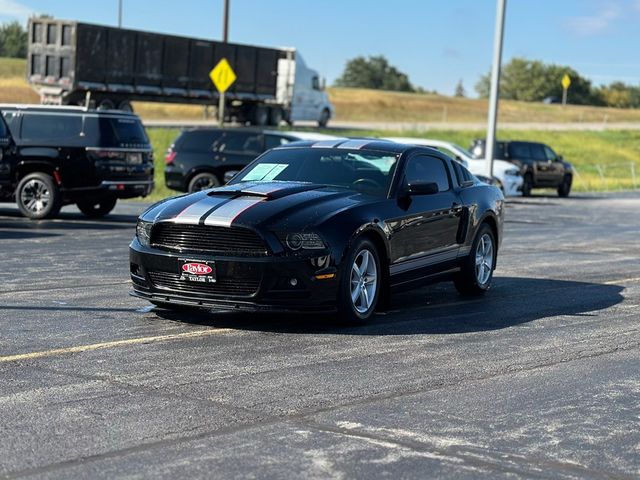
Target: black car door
{"x":234,"y":150}
{"x":544,"y":168}
{"x":556,"y":167}
{"x":424,"y":234}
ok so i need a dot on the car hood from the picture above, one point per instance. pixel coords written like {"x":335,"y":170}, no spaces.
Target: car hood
{"x":280,"y":205}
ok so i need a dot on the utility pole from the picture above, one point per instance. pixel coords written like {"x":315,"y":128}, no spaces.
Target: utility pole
{"x":490,"y":144}
{"x":225,"y":39}
{"x":119,"y":13}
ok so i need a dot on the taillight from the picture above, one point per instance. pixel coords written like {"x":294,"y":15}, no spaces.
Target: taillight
{"x":169,"y":157}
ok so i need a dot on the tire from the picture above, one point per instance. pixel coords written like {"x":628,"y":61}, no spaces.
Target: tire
{"x":564,"y":189}
{"x":260,"y":115}
{"x":38,"y":196}
{"x":324,"y":118}
{"x":125,"y":106}
{"x":203,"y":181}
{"x":97,"y":210}
{"x":276,"y":116}
{"x":475,"y":279}
{"x":365,"y":288}
{"x":106,"y":104}
{"x":527,"y":185}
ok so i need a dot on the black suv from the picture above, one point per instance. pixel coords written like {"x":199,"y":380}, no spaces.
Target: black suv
{"x":541,"y":167}
{"x":203,"y":158}
{"x":53,"y":156}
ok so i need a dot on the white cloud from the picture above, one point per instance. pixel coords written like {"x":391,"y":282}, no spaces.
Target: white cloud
{"x":595,"y":24}
{"x":14,"y":10}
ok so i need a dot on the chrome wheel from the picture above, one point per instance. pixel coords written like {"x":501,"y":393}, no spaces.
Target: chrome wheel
{"x":484,"y":259}
{"x":364,"y":281}
{"x":35,"y":196}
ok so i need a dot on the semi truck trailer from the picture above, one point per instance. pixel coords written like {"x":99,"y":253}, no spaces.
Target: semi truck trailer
{"x":72,"y":63}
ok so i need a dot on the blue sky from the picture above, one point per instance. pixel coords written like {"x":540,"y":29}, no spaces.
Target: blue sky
{"x":436,"y":42}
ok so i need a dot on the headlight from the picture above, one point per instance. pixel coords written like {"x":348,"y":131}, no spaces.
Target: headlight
{"x":304,"y":241}
{"x":512,"y":171}
{"x":143,"y":232}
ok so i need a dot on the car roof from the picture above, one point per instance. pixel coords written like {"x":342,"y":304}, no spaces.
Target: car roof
{"x":62,"y":109}
{"x":376,"y":144}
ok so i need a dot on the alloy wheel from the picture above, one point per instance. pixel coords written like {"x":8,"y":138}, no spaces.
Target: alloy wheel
{"x":484,"y":259}
{"x":35,"y":195}
{"x":364,"y":281}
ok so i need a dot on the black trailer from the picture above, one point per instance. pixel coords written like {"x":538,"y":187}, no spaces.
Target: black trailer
{"x":68,"y":60}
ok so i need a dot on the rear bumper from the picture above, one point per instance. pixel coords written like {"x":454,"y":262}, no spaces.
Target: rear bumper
{"x":244,"y":283}
{"x":175,"y":179}
{"x":117,"y":188}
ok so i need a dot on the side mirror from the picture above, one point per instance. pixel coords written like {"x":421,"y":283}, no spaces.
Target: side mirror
{"x":559,"y":158}
{"x":422,"y":188}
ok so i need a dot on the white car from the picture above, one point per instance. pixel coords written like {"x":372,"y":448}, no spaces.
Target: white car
{"x":509,"y":177}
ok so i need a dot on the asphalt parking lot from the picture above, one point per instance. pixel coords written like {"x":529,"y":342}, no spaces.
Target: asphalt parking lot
{"x":537,"y":379}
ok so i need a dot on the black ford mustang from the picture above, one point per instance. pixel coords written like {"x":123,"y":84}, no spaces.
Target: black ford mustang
{"x":321,"y":226}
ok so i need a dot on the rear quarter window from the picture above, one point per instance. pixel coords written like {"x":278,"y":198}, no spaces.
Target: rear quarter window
{"x":38,"y":127}
{"x":197,"y":141}
{"x":122,"y":132}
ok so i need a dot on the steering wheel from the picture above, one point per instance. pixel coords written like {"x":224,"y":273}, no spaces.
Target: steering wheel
{"x":366,"y":184}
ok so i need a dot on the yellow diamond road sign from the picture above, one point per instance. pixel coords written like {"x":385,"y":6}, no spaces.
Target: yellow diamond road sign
{"x":566,"y":81}
{"x":222,"y":75}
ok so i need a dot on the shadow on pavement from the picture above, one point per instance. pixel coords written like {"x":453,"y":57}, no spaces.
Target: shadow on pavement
{"x":435,"y":310}
{"x":11,"y":219}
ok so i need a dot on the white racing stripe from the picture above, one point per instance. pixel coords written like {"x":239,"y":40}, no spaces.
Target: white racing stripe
{"x":193,"y":213}
{"x":227,"y":213}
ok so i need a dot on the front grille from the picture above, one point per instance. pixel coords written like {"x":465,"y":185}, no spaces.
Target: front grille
{"x":236,"y":287}
{"x":207,"y":239}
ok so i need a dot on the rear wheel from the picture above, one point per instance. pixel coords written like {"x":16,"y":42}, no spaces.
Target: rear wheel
{"x":203,"y":181}
{"x":260,"y":115}
{"x":564,"y":189}
{"x":38,"y":196}
{"x":125,"y":106}
{"x":106,"y":104}
{"x":527,"y":185}
{"x":324,"y":118}
{"x":97,"y":210}
{"x":276,"y":116}
{"x":477,"y":271}
{"x":360,"y":283}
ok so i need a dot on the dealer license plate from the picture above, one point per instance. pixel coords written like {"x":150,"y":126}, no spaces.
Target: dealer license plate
{"x":197,"y":271}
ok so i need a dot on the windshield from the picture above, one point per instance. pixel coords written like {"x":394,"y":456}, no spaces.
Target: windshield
{"x":363,"y":171}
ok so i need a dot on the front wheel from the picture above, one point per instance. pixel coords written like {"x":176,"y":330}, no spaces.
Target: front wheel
{"x":97,"y":210}
{"x":38,"y":196}
{"x":360,"y":283}
{"x":477,"y":270}
{"x":565,"y":187}
{"x":527,"y":185}
{"x":324,"y":118}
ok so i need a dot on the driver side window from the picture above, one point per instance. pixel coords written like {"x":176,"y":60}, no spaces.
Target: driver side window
{"x":424,"y":169}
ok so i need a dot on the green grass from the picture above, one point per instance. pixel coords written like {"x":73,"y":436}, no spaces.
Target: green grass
{"x":602,"y":159}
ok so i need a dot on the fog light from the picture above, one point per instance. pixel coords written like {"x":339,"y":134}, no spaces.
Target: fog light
{"x":293,"y":282}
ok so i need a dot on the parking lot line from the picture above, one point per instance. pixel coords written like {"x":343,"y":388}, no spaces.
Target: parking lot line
{"x":115,"y":343}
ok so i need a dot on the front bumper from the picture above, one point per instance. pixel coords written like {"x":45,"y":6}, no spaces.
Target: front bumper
{"x":243,"y":283}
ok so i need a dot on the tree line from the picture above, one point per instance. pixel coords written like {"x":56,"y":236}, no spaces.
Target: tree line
{"x":521,"y":79}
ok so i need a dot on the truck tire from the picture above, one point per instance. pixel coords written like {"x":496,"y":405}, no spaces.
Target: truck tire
{"x":276,"y":116}
{"x":38,"y":196}
{"x":260,"y":116}
{"x":106,"y":104}
{"x":527,"y":185}
{"x":564,"y":189}
{"x":97,"y":210}
{"x":125,"y":106}
{"x":324,"y":118}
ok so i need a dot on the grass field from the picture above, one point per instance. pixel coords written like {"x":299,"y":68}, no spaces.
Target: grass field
{"x":603,"y":160}
{"x":362,"y":105}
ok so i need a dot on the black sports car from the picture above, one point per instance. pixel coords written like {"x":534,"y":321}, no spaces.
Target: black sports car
{"x":321,"y":226}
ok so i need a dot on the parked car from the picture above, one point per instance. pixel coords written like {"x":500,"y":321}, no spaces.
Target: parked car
{"x":203,"y":158}
{"x":540,"y":166}
{"x":506,"y":176}
{"x":321,"y":226}
{"x":54,"y":156}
